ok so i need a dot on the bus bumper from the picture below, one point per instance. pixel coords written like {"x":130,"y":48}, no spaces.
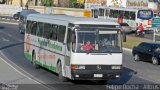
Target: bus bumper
{"x":95,"y":74}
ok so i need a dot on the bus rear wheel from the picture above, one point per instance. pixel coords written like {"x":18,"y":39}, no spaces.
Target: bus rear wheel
{"x":34,"y":61}
{"x":60,"y":75}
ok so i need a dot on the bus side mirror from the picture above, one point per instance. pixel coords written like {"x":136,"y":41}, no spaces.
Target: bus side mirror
{"x":73,"y":38}
{"x":124,"y":36}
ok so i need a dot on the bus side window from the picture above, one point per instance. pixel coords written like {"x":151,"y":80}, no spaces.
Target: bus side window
{"x":126,"y":15}
{"x":111,"y":13}
{"x":53,"y":34}
{"x":69,"y":39}
{"x":101,"y":12}
{"x":34,"y":28}
{"x":107,"y":13}
{"x":132,"y":15}
{"x":29,"y":24}
{"x":61,"y":33}
{"x":115,"y":14}
{"x":47,"y":29}
{"x":39,"y":29}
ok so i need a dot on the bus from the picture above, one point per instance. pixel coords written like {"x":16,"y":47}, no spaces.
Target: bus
{"x":134,"y":17}
{"x":54,"y":42}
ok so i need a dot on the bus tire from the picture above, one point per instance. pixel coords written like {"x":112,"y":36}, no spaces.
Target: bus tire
{"x":60,"y":75}
{"x":34,"y":61}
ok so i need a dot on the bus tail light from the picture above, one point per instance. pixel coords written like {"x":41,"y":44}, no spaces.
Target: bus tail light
{"x":78,"y":67}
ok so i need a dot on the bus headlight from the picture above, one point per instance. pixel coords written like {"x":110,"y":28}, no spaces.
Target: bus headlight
{"x":116,"y":67}
{"x":78,"y":67}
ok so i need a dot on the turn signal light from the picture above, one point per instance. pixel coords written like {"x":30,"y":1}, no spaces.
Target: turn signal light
{"x":77,"y":67}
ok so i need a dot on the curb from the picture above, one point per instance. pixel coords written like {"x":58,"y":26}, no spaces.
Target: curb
{"x":14,"y":23}
{"x":127,"y":49}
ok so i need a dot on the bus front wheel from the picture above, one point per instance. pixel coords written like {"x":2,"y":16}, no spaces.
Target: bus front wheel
{"x":60,"y":75}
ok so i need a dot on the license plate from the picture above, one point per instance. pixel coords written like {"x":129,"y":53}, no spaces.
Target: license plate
{"x":98,"y":75}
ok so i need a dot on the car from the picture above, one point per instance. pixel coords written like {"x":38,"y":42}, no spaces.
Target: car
{"x":24,"y":12}
{"x":125,"y":27}
{"x":16,"y":16}
{"x":147,"y":51}
{"x":22,"y":18}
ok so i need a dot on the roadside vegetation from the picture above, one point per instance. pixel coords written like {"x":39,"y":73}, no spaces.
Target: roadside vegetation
{"x":133,"y":41}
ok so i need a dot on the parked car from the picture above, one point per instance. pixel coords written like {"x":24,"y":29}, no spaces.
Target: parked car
{"x":24,"y":12}
{"x":22,"y":18}
{"x":16,"y":16}
{"x":147,"y":51}
{"x":125,"y":27}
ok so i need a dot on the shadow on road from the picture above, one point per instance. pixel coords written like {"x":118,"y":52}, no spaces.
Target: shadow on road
{"x":127,"y":74}
{"x":11,"y":45}
{"x":1,"y":27}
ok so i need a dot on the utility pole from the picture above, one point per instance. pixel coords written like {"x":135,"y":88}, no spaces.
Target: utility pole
{"x":21,"y":3}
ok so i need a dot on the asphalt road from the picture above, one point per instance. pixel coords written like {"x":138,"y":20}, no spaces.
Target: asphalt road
{"x":11,"y":47}
{"x":148,"y":35}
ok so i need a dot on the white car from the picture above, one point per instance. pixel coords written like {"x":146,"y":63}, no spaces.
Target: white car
{"x":125,"y":27}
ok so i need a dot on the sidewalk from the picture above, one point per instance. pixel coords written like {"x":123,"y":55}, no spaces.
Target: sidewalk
{"x":12,"y":79}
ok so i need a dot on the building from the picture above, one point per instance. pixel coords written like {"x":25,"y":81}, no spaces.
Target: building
{"x":59,"y":3}
{"x":16,"y":2}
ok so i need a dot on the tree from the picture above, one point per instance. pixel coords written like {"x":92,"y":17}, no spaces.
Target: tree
{"x":2,"y":1}
{"x":74,"y":4}
{"x":47,"y":2}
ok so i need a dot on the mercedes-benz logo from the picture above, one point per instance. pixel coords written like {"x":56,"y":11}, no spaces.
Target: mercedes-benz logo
{"x":98,"y":67}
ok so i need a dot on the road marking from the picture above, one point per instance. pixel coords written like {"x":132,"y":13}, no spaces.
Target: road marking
{"x":11,"y":36}
{"x":13,"y":23}
{"x":6,"y":40}
{"x":30,"y":78}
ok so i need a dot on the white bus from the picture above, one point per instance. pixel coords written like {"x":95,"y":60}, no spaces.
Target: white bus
{"x":129,"y":15}
{"x":54,"y":42}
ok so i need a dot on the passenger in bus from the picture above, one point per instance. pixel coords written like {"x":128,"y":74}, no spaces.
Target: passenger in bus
{"x":87,"y":46}
{"x":106,"y":42}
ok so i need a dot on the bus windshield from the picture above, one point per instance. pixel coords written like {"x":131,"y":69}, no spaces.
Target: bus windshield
{"x":145,"y":14}
{"x":98,"y":41}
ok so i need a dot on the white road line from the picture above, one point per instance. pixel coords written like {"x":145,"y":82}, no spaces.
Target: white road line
{"x":13,"y":23}
{"x":14,"y":37}
{"x":21,"y":72}
{"x":11,"y":36}
{"x":6,"y":40}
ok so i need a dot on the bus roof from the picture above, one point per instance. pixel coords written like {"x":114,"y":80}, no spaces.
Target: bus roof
{"x":126,"y":9}
{"x":70,"y":19}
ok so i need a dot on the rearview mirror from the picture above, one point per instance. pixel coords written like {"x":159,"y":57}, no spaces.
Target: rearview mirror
{"x":73,"y":37}
{"x":124,"y":36}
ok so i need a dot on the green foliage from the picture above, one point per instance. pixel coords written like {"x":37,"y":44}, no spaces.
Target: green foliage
{"x":74,"y":4}
{"x":47,"y":3}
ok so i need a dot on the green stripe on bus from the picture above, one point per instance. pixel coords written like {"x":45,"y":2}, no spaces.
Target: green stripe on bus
{"x":51,"y":68}
{"x":28,"y":56}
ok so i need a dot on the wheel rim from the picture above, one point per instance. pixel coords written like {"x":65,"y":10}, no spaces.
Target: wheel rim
{"x":136,"y":57}
{"x":154,"y":61}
